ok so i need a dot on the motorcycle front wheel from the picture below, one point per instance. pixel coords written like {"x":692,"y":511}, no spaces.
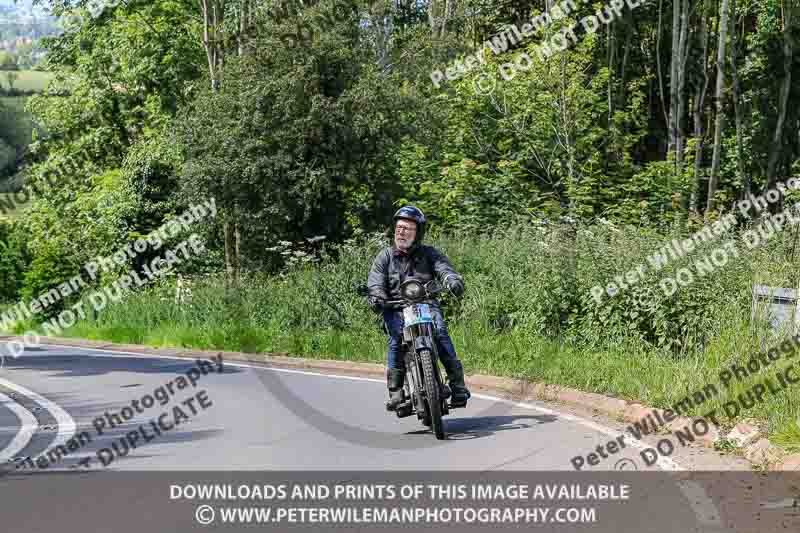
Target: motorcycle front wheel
{"x":432,"y":394}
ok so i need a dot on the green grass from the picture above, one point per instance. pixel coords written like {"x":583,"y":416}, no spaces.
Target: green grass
{"x":789,"y":438}
{"x":620,"y":372}
{"x":623,"y":371}
{"x":511,"y":322}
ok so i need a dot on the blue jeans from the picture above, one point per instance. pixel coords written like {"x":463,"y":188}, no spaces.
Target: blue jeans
{"x":393,"y":320}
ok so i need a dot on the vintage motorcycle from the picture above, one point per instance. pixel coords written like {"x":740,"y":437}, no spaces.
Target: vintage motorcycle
{"x":424,"y":389}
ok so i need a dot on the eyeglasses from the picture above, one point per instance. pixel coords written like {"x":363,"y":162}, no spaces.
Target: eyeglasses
{"x":404,"y":229}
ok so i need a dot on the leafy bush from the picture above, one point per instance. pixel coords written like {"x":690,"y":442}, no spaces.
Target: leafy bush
{"x":14,"y":259}
{"x":64,"y":237}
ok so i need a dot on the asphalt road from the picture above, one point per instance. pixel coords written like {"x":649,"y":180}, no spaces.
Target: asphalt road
{"x":261,"y":418}
{"x":120,"y":413}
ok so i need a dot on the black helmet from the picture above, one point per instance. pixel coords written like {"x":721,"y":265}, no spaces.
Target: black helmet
{"x":410,"y":212}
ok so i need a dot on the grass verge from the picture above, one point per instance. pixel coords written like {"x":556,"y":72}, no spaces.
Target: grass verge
{"x":525,"y":315}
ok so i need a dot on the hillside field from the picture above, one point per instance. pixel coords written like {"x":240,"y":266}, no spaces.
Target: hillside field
{"x":28,"y":80}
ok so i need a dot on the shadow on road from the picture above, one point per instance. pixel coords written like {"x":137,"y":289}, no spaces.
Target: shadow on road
{"x":468,"y":428}
{"x":77,"y":365}
{"x":72,"y":463}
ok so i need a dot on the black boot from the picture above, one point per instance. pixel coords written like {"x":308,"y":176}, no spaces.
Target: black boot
{"x":394,"y":381}
{"x":455,"y":378}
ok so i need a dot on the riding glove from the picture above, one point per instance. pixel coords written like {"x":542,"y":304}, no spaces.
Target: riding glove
{"x":375,"y":303}
{"x":455,"y":285}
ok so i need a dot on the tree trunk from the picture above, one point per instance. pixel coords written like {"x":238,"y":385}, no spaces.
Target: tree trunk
{"x":680,"y":15}
{"x":622,"y":93}
{"x":234,"y":233}
{"x":438,"y":24}
{"x":231,"y":260}
{"x":610,"y":49}
{"x":213,"y":12}
{"x":683,"y":50}
{"x":243,"y":26}
{"x":623,"y":74}
{"x":744,"y":178}
{"x":673,"y":77}
{"x":714,"y":180}
{"x":777,"y":139}
{"x":658,"y":66}
{"x":237,"y":249}
{"x":699,"y":101}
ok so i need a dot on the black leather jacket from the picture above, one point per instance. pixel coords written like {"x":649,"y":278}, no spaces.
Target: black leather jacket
{"x":390,"y":268}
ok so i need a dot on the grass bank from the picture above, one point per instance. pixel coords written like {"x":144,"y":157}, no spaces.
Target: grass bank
{"x":527,"y":313}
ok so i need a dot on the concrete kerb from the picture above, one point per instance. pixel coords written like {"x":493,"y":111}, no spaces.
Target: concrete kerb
{"x":789,"y":463}
{"x":760,"y":453}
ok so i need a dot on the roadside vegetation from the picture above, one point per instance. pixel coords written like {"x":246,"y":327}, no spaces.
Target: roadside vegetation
{"x":527,"y":313}
{"x":569,"y":174}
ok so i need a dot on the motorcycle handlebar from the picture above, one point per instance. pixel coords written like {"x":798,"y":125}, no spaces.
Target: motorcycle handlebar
{"x":397,"y":304}
{"x":363,"y":291}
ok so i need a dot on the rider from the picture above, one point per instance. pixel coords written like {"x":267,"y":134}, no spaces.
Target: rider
{"x":409,"y":257}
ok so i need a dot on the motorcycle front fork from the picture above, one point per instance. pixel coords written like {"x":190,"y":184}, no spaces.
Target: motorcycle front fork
{"x":413,"y":401}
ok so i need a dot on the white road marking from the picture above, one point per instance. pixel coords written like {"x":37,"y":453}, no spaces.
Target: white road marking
{"x":28,"y":426}
{"x":66,"y":425}
{"x":664,"y":463}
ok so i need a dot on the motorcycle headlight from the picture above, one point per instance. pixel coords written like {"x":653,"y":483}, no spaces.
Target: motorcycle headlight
{"x":412,"y":290}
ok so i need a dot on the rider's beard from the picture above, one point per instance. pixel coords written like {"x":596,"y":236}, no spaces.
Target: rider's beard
{"x":402,"y":243}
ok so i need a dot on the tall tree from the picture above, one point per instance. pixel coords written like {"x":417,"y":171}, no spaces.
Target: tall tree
{"x":673,"y":74}
{"x":439,"y":13}
{"x":776,"y":148}
{"x":680,"y":46}
{"x":699,"y":106}
{"x":720,"y":118}
{"x":683,"y":53}
{"x":214,"y":43}
{"x":213,"y":13}
{"x":744,"y":178}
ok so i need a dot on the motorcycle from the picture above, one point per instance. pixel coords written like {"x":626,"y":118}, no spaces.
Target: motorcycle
{"x":425,"y":392}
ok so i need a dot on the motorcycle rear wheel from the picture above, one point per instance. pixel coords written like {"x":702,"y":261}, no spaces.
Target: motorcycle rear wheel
{"x":432,"y":394}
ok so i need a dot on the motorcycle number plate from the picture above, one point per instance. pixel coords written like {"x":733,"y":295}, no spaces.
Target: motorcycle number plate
{"x":417,"y":314}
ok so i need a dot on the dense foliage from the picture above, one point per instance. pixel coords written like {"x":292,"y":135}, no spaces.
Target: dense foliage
{"x":661,"y":118}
